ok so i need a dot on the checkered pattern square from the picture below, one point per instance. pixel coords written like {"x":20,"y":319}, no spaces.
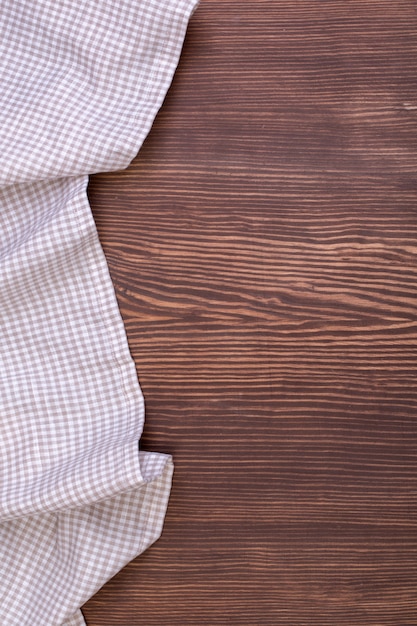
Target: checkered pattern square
{"x":80,"y":84}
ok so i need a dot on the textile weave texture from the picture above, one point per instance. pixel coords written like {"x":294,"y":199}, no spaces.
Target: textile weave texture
{"x":80,"y":84}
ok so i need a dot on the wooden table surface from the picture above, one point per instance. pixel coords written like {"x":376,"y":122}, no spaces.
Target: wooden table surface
{"x":264,"y":254}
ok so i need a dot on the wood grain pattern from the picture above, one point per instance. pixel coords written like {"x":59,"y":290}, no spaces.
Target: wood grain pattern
{"x":263,"y":250}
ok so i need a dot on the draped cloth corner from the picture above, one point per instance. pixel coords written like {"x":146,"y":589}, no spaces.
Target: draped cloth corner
{"x":80,"y":85}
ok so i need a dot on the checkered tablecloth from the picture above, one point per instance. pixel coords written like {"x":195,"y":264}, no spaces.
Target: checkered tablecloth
{"x":80,"y":84}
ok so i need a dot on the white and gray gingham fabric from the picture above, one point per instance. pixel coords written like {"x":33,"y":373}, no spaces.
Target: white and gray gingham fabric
{"x":80,"y":84}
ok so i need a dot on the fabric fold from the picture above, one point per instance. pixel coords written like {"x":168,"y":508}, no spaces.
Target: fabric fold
{"x":80,"y":84}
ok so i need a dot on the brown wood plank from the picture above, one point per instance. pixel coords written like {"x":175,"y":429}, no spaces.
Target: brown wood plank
{"x":263,"y":249}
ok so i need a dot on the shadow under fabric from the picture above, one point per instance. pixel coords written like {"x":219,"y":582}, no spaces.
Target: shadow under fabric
{"x":80,"y":84}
